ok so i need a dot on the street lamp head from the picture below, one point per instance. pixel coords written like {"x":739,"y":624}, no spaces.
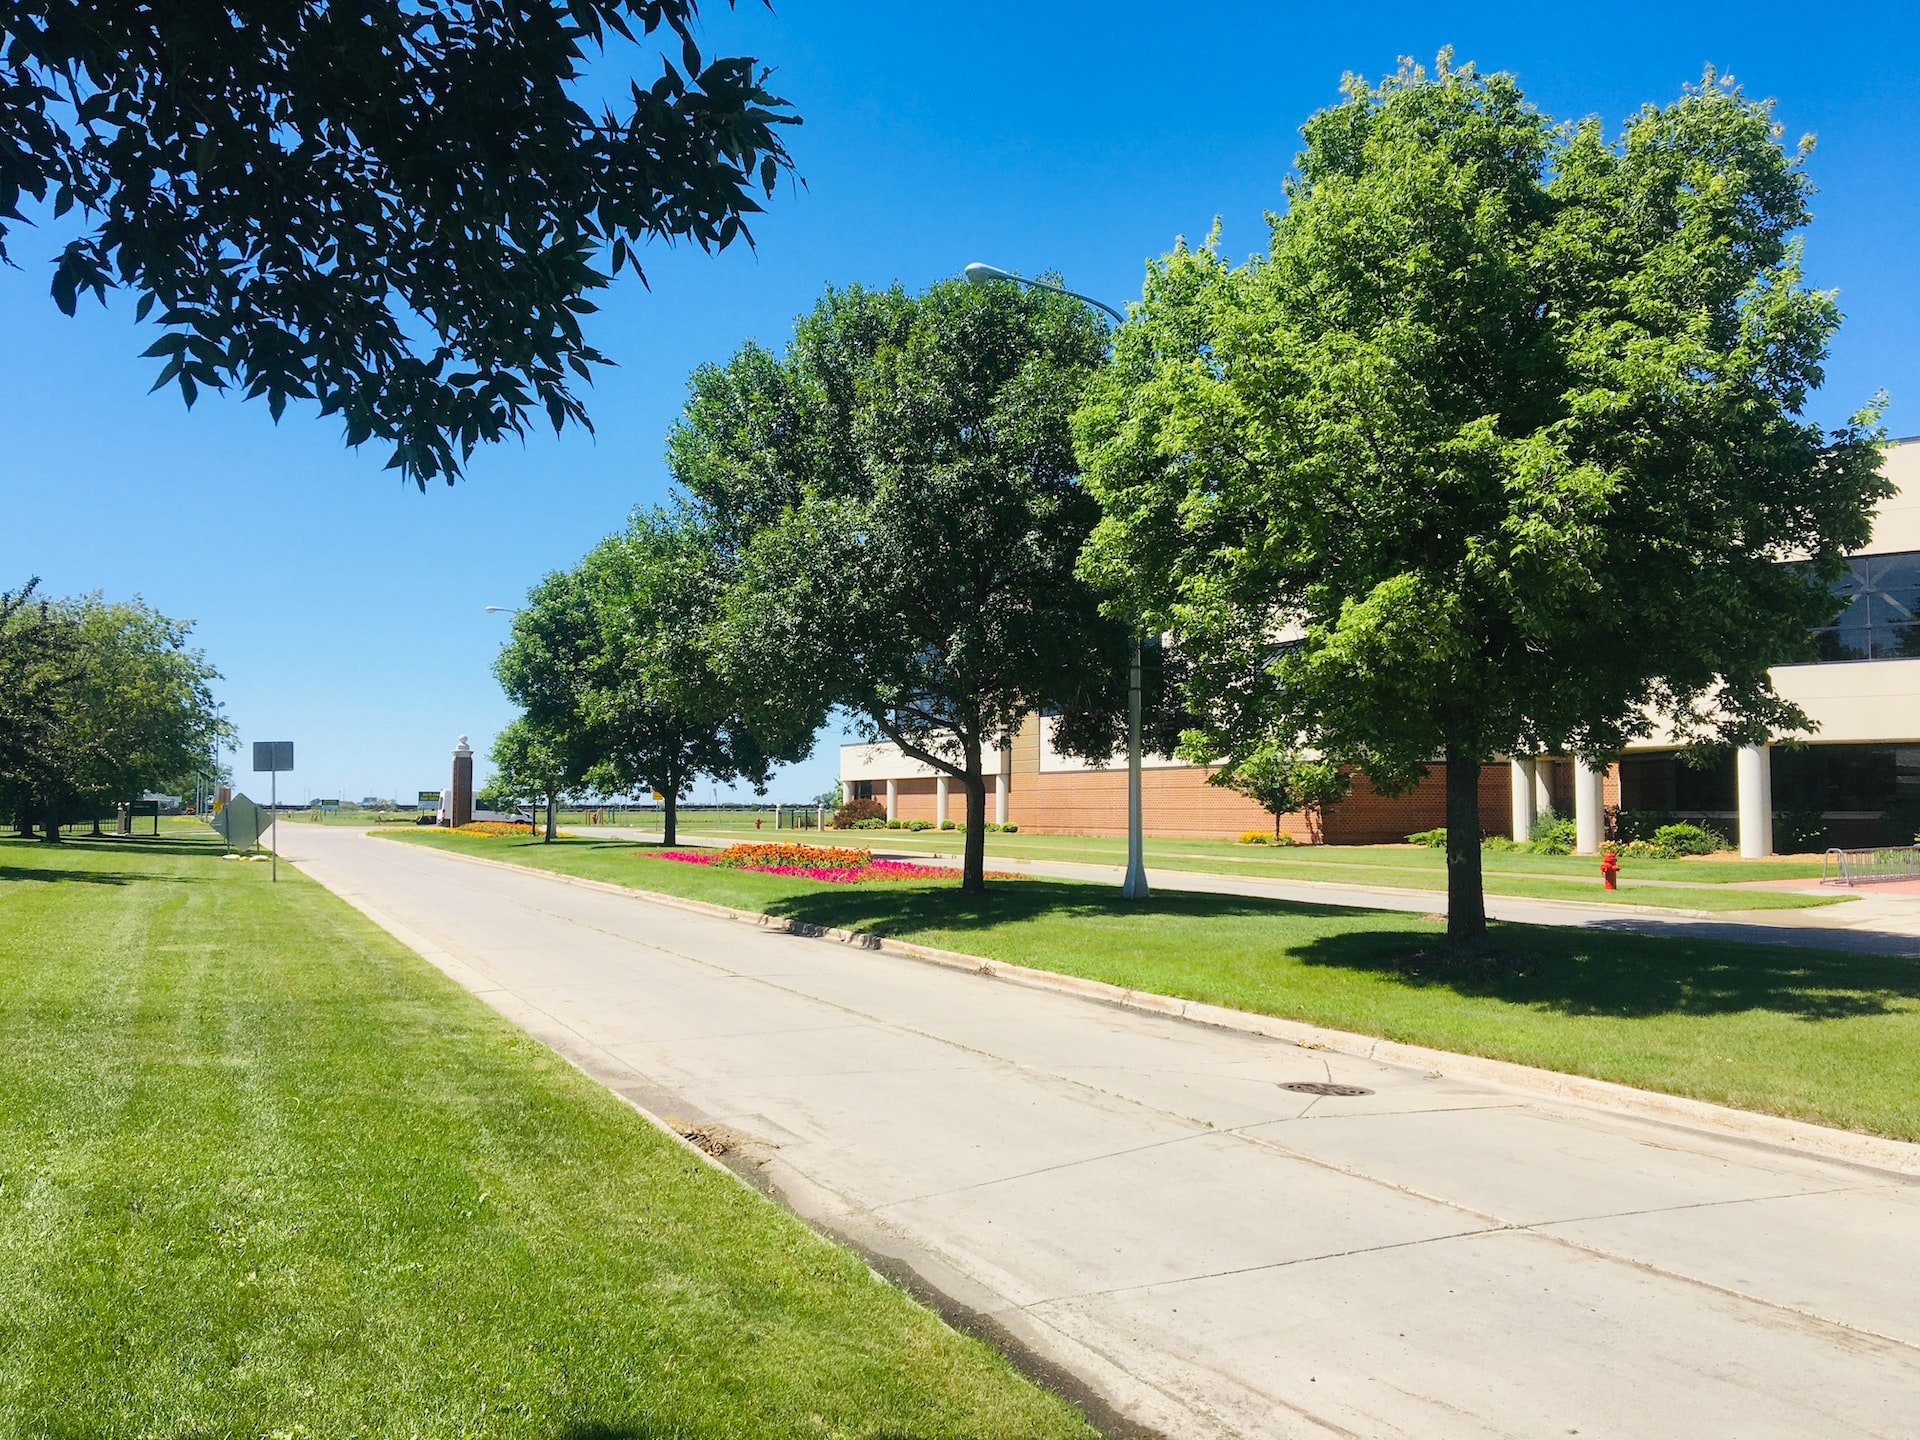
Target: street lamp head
{"x":980,"y":274}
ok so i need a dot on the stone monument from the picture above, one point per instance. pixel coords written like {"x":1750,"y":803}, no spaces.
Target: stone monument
{"x":460,"y":792}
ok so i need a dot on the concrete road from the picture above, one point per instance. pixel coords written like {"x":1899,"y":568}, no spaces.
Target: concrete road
{"x":1141,"y":1203}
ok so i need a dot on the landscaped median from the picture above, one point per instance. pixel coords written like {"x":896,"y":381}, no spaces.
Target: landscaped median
{"x":1817,"y":1035}
{"x":265,"y":1172}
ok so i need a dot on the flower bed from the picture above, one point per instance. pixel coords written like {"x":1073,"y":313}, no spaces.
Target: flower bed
{"x":494,"y":827}
{"x":827,"y":864}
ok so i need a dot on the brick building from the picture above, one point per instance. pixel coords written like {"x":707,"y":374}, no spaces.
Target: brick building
{"x":1857,"y":782}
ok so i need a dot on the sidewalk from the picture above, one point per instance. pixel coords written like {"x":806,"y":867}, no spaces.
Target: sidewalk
{"x":1870,"y":923}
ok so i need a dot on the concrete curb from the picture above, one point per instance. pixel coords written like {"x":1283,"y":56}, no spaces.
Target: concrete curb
{"x":1900,"y":1156}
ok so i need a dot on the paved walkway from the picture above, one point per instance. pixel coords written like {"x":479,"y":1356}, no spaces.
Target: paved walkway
{"x":1878,"y":920}
{"x":1140,"y":1202}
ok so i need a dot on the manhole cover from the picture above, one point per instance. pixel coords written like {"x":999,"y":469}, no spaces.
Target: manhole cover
{"x":1323,"y":1087}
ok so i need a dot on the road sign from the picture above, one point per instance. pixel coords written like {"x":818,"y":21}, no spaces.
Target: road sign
{"x":272,"y":755}
{"x":328,"y":804}
{"x":429,"y":797}
{"x":241,"y":823}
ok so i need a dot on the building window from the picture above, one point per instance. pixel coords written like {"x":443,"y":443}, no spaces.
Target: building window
{"x":863,"y":790}
{"x":1882,"y":593}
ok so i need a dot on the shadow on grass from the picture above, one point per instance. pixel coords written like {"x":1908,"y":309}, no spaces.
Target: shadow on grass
{"x":1638,"y":976}
{"x":11,"y":873}
{"x":123,"y":844}
{"x":1573,"y":971}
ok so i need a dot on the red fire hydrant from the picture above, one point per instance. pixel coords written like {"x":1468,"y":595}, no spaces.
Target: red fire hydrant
{"x":1610,"y":870}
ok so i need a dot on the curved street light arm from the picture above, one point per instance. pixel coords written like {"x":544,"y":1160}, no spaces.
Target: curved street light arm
{"x":981,"y":274}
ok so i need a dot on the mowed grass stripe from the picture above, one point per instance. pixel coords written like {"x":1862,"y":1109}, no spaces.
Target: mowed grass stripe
{"x":1819,"y":1035}
{"x":264,"y":1171}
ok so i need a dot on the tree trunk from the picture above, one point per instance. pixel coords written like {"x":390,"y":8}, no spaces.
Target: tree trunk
{"x":52,"y":823}
{"x":550,"y":821}
{"x":1276,"y":824}
{"x":973,"y":853}
{"x":1466,"y":900}
{"x":670,"y":823}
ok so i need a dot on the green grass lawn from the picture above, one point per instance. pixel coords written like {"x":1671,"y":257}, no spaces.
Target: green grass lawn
{"x":1820,"y":1035}
{"x":1696,"y":884}
{"x":265,"y":1173}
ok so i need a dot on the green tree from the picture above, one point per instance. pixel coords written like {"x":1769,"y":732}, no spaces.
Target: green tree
{"x":532,"y":765}
{"x":132,"y":709}
{"x":398,"y":211}
{"x":1277,"y":778}
{"x":897,"y":502}
{"x":610,"y":662}
{"x":145,"y":714}
{"x":1500,"y":448}
{"x":40,"y":659}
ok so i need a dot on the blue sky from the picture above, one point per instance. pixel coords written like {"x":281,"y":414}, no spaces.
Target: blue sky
{"x":347,"y":612}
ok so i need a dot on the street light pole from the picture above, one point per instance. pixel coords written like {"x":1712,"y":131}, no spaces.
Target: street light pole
{"x":1134,"y":886}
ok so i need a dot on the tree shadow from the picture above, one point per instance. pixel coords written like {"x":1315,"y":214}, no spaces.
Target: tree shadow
{"x":11,"y":873}
{"x":1587,"y":971}
{"x":1627,"y":975}
{"x":890,"y":909}
{"x":123,"y":844}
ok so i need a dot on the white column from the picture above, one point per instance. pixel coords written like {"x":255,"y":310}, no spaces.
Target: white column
{"x":1521,"y":778}
{"x":940,"y":799}
{"x":1753,"y":768}
{"x":893,"y":799}
{"x":1542,"y":786}
{"x":1000,"y":798}
{"x":1587,"y":812}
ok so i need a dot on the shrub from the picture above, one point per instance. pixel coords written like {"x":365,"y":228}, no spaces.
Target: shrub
{"x":1797,"y":831}
{"x":1675,"y":840}
{"x":1497,"y":842}
{"x":1640,"y":824}
{"x":867,"y":825}
{"x":919,"y":825}
{"x":1435,"y":839}
{"x":947,"y":825}
{"x":855,"y":814}
{"x":1252,"y":837}
{"x":1555,"y":837}
{"x":1283,"y":838}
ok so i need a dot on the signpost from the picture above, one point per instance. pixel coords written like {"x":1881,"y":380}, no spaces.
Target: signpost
{"x":240,"y":822}
{"x":272,"y":757}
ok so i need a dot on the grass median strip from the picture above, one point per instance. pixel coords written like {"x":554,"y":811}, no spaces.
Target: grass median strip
{"x":1818,"y":1035}
{"x":263,"y":1172}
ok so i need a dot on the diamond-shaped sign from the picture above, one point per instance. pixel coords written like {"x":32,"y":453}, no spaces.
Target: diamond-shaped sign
{"x":241,"y":823}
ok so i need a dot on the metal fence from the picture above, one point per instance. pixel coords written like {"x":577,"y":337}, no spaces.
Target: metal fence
{"x":1861,"y":867}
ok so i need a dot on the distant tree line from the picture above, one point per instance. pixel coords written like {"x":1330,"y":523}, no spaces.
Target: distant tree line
{"x":100,"y":701}
{"x":1499,"y":449}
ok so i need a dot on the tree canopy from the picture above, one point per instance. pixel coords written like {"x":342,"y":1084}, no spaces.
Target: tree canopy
{"x":104,"y":699}
{"x":610,"y":661}
{"x":396,"y":211}
{"x":532,"y":765}
{"x":1500,"y":448}
{"x":897,"y":501}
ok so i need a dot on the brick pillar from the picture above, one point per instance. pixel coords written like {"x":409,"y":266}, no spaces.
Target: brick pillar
{"x":460,"y":791}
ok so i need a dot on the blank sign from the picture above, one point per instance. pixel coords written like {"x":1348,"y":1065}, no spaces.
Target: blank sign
{"x":274,"y":755}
